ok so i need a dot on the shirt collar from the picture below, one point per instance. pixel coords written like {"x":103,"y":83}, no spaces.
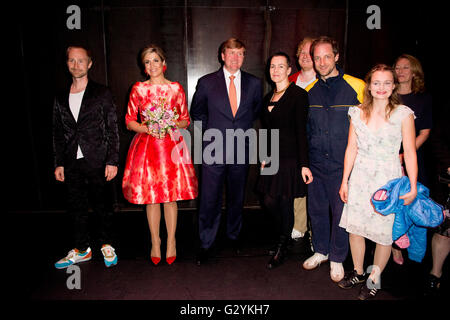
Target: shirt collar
{"x":228,"y":74}
{"x":331,"y":80}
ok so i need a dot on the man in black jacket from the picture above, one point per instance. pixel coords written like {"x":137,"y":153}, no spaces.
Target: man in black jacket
{"x":86,"y":153}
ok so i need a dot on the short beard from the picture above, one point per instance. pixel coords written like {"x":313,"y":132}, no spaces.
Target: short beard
{"x":324,"y":76}
{"x":78,"y":75}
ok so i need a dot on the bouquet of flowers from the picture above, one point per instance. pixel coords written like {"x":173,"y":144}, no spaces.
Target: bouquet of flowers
{"x":160,"y":118}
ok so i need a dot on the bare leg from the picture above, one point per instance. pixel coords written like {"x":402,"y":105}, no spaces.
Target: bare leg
{"x":154,"y":219}
{"x":440,"y":247}
{"x":397,"y":255}
{"x":358,"y":249}
{"x":382,"y":254}
{"x":170,"y":216}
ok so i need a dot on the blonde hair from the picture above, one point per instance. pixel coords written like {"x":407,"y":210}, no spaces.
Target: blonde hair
{"x":231,"y":43}
{"x":394,"y":99}
{"x":418,"y":80}
{"x":302,"y":44}
{"x":150,"y":49}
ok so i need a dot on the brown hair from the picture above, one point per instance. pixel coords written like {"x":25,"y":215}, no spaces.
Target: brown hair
{"x":231,"y":43}
{"x":88,"y":51}
{"x":394,"y":99}
{"x":150,"y":49}
{"x":324,"y":39}
{"x":418,"y":80}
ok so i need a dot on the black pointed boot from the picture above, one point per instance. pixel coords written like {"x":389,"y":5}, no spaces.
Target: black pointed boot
{"x":279,"y":255}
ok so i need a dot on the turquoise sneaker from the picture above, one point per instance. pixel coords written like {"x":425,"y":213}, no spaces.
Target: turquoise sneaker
{"x":109,"y":255}
{"x":74,"y":256}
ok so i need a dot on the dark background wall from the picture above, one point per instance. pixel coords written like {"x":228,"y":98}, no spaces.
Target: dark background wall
{"x":190,"y":31}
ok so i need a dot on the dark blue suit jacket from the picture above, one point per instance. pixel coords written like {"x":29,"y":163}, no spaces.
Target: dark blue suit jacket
{"x":211,"y":105}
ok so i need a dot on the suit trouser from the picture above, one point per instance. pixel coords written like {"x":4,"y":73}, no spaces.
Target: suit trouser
{"x":327,"y":236}
{"x":84,"y":183}
{"x":213,"y":178}
{"x":300,"y":215}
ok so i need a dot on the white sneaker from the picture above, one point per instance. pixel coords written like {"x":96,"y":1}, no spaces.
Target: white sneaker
{"x":297,"y":234}
{"x":109,"y":255}
{"x":314,"y":261}
{"x":336,"y":271}
{"x":74,"y":256}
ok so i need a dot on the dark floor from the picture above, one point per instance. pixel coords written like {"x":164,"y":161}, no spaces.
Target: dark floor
{"x":42,"y":239}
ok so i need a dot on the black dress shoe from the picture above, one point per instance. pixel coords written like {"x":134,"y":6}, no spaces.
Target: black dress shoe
{"x":237,"y":246}
{"x":432,"y":287}
{"x":202,"y":256}
{"x":277,"y":259}
{"x":279,"y":254}
{"x":272,"y":250}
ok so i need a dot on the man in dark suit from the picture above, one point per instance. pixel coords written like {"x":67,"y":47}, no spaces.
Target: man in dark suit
{"x":226,"y":99}
{"x":86,"y":153}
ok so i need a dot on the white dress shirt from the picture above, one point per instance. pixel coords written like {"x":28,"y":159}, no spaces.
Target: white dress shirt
{"x":75,"y":105}
{"x":303,"y":85}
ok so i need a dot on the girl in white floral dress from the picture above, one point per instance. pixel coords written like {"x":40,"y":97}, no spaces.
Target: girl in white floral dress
{"x":377,"y":128}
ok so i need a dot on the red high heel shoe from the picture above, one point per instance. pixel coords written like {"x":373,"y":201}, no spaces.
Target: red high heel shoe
{"x":155,"y":260}
{"x":171,"y":260}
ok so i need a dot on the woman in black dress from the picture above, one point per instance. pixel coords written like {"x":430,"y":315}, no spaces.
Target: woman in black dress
{"x":285,"y":110}
{"x":412,"y":92}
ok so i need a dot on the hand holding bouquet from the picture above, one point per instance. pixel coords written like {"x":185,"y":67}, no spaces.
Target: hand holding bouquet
{"x":160,"y":118}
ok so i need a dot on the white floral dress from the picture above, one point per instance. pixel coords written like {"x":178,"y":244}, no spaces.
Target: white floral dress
{"x":376,"y":163}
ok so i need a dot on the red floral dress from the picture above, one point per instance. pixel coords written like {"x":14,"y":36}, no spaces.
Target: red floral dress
{"x":158,"y":170}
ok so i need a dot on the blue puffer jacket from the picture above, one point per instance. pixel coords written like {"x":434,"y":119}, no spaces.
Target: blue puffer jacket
{"x":412,"y":219}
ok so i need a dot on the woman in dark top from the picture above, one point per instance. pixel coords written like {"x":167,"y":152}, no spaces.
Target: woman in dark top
{"x":285,"y":110}
{"x":412,"y":94}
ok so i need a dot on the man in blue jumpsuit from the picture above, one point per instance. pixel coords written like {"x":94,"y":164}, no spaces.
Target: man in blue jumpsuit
{"x":330,"y":97}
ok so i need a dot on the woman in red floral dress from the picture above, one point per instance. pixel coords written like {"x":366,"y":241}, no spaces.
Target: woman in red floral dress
{"x":158,"y":170}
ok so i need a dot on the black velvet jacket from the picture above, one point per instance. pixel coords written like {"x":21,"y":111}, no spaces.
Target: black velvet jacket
{"x":95,"y":131}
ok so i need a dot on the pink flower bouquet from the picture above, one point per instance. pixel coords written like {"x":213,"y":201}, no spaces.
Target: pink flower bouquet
{"x":160,"y":118}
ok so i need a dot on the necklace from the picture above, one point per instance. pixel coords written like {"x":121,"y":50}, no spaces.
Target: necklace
{"x":282,"y":90}
{"x":278,"y":92}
